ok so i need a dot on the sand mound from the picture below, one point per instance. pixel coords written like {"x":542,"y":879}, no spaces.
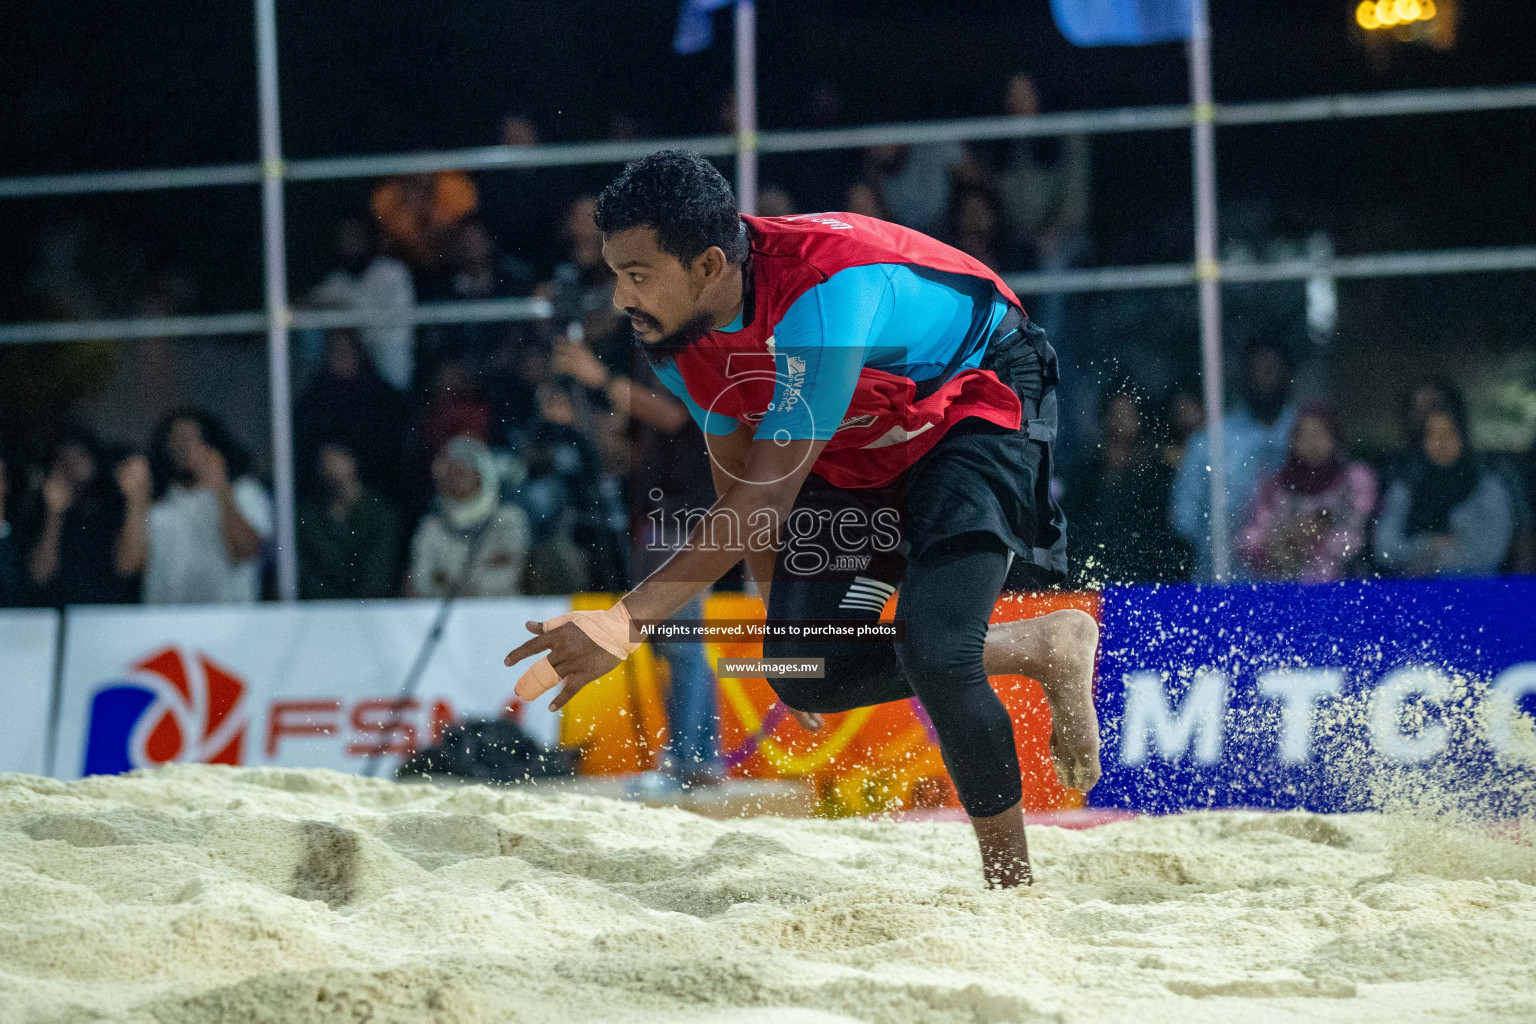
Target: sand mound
{"x":211,"y":895}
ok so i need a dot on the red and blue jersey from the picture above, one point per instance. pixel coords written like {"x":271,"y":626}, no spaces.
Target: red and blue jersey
{"x":862,"y":333}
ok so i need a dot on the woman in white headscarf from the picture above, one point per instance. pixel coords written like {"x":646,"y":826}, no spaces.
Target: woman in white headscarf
{"x":468,"y":516}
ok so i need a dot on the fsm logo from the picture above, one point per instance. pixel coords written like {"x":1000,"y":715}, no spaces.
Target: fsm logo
{"x":169,"y":707}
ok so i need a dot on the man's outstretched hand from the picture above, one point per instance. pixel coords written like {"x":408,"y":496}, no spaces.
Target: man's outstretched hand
{"x":574,"y":657}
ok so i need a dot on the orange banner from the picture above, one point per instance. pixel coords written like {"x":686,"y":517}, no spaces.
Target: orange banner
{"x":864,"y":761}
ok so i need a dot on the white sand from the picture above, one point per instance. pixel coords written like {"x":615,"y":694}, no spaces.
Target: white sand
{"x":227,"y":895}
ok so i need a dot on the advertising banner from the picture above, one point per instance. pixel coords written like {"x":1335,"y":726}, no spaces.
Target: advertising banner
{"x":310,"y":685}
{"x":1327,"y":697}
{"x":869,"y":760}
{"x":28,"y":645}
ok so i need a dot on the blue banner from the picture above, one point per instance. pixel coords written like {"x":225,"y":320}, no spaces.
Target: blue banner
{"x":1333,"y":697}
{"x":695,"y":28}
{"x":1123,"y":22}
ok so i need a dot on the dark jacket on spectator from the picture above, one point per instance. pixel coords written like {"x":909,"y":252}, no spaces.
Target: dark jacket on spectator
{"x":366,"y":414}
{"x":87,"y":567}
{"x":351,"y":557}
{"x":1119,"y":524}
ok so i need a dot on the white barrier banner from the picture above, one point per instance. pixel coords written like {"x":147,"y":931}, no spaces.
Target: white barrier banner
{"x":28,"y":642}
{"x":311,"y":685}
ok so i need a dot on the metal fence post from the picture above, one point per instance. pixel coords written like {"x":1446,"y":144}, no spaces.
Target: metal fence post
{"x":274,"y":246}
{"x":1209,"y":273}
{"x":746,"y":106}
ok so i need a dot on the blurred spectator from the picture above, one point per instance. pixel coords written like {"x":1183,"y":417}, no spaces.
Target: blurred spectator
{"x":1424,"y":398}
{"x":512,"y":375}
{"x":773,"y":201}
{"x":475,"y":270}
{"x":1450,"y":512}
{"x":818,"y":180}
{"x":556,"y":565}
{"x":348,"y":401}
{"x":418,"y":212}
{"x":1417,"y":403}
{"x":348,"y":538}
{"x":864,"y":197}
{"x":1183,"y":416}
{"x":455,"y":408}
{"x":520,"y":204}
{"x":562,"y":465}
{"x":572,"y":491}
{"x":211,"y":519}
{"x":586,"y":400}
{"x":12,"y":584}
{"x":1309,"y":520}
{"x":1119,"y":504}
{"x":669,"y":476}
{"x":368,"y":281}
{"x":976,"y":225}
{"x":86,"y":540}
{"x":472,"y":544}
{"x":1045,"y":187}
{"x":916,"y":181}
{"x":581,"y":288}
{"x":1439,"y":394}
{"x":1255,"y":436}
{"x":478,"y":269}
{"x":600,"y":406}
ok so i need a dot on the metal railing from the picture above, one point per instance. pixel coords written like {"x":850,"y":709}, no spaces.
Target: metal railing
{"x":970,"y":129}
{"x":977,"y":129}
{"x":1158,"y":275}
{"x":272,"y":172}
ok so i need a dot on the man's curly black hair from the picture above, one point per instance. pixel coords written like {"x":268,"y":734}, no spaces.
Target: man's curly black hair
{"x":683,"y":197}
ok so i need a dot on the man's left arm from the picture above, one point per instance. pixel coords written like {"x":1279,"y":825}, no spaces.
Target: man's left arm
{"x":584,"y":650}
{"x":818,"y":357}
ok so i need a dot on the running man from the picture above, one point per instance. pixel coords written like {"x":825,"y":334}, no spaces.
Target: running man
{"x":882,"y":403}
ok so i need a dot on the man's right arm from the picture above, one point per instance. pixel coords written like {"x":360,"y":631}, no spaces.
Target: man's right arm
{"x":728,"y":463}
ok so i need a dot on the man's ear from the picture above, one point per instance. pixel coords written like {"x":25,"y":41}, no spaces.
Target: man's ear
{"x":711,"y":263}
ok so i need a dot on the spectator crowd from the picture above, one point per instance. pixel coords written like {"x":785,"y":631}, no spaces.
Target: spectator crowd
{"x":492,"y":459}
{"x":1300,"y":508}
{"x":495,"y":458}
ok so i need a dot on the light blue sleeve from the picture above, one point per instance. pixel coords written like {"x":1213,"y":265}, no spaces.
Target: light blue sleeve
{"x":819,"y":352}
{"x":709,"y":422}
{"x":1189,"y":507}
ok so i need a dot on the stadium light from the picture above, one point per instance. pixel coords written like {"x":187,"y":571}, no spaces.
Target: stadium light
{"x":1389,"y":13}
{"x":1417,"y":21}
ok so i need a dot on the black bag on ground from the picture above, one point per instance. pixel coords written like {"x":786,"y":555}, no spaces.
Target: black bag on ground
{"x":487,"y":750}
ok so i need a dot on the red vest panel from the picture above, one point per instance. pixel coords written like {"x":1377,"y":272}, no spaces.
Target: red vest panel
{"x":886,"y":428}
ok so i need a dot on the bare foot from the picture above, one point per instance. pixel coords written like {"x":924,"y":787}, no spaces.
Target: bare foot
{"x":1057,"y":650}
{"x":1004,"y":852}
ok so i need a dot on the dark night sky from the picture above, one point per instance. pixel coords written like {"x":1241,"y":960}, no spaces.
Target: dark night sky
{"x":133,"y":83}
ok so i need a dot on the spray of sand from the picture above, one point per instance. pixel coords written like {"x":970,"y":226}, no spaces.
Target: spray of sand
{"x":207,"y":895}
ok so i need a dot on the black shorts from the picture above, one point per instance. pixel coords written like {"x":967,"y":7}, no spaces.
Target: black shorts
{"x":979,"y":478}
{"x":846,"y":551}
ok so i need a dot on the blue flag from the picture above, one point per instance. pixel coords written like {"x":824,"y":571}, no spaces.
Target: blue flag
{"x":695,"y":30}
{"x":1120,"y":22}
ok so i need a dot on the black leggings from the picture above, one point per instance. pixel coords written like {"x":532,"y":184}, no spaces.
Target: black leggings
{"x":946,"y":600}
